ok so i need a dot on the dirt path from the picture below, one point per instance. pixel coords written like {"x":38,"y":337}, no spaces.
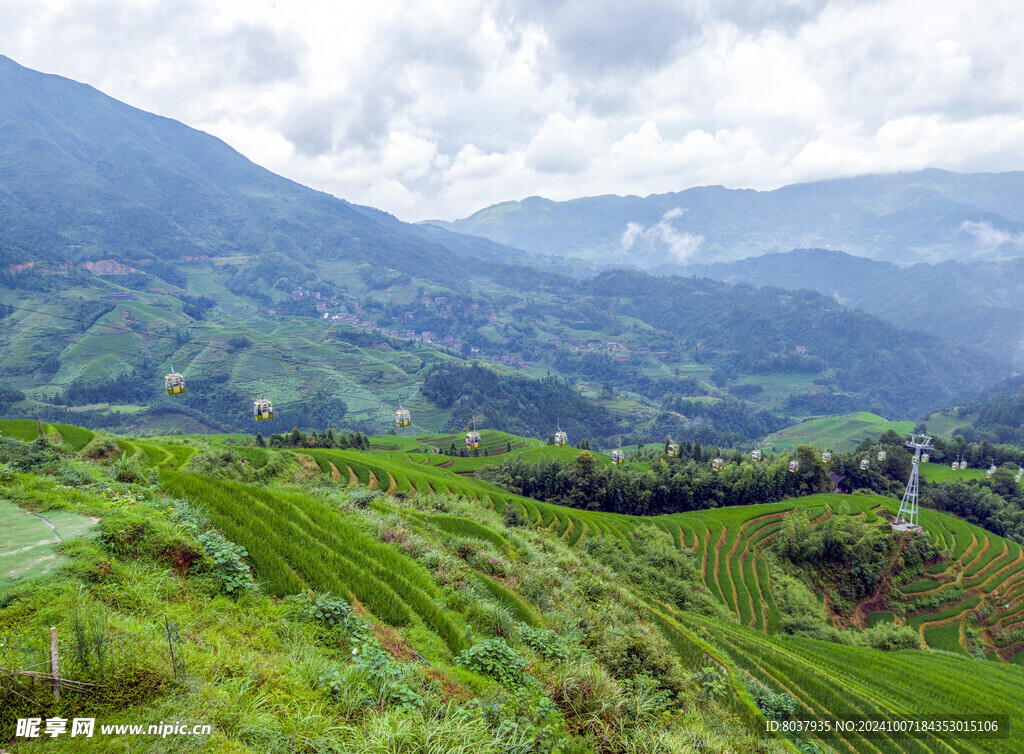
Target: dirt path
{"x":373,"y":481}
{"x":335,"y":474}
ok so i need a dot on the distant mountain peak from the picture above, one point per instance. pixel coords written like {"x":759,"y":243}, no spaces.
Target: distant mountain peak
{"x":925,"y":215}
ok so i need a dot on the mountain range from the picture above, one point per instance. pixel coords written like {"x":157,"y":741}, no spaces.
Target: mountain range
{"x":977,"y":304}
{"x":928,"y":215}
{"x":89,"y":177}
{"x":251,"y":284}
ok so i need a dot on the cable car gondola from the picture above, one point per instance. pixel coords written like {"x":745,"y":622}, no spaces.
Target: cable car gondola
{"x":924,"y":458}
{"x":915,"y":460}
{"x":672,"y":450}
{"x":402,"y":417}
{"x":826,"y":457}
{"x":881,"y":455}
{"x":755,"y":455}
{"x":174,"y":383}
{"x":618,"y":457}
{"x":718,"y":463}
{"x":1020,"y":475}
{"x":561,"y":439}
{"x":794,"y":465}
{"x":262,"y":410}
{"x":473,"y":440}
{"x":864,"y":463}
{"x":991,"y":471}
{"x":955,"y":465}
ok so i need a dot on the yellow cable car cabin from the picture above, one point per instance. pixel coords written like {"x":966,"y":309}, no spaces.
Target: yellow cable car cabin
{"x":955,"y":466}
{"x":718,"y":463}
{"x":473,"y":440}
{"x":174,"y":384}
{"x":881,"y":455}
{"x":794,"y":465}
{"x":755,"y":455}
{"x":826,"y":457}
{"x":864,"y":463}
{"x":263,"y":410}
{"x":924,"y":458}
{"x":915,"y":460}
{"x":561,"y":438}
{"x":1020,"y":475}
{"x":991,"y":471}
{"x":618,"y":457}
{"x":673,"y":450}
{"x":402,"y":418}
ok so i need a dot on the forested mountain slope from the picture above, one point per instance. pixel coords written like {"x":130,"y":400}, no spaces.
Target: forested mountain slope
{"x":91,"y":178}
{"x":980,"y":303}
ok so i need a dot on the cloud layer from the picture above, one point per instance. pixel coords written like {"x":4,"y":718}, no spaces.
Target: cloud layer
{"x":430,"y":109}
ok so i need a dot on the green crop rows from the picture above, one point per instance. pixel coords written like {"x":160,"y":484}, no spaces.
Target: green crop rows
{"x":297,"y":542}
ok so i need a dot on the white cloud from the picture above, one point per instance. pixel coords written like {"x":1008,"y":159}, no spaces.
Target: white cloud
{"x":987,"y":235}
{"x":436,"y":110}
{"x":663,"y":236}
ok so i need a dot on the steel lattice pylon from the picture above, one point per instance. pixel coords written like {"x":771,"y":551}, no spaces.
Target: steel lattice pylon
{"x":907,"y":517}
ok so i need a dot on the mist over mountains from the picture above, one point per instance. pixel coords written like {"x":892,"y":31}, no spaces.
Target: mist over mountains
{"x":929,"y":215}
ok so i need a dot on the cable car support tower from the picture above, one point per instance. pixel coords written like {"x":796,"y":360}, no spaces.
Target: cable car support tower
{"x":906,"y":519}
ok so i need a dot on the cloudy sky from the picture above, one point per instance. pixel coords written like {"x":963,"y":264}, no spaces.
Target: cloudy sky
{"x":437,"y":109}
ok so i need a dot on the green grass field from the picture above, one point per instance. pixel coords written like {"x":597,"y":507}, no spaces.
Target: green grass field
{"x":939,"y":472}
{"x":944,"y":425}
{"x":842,"y":433}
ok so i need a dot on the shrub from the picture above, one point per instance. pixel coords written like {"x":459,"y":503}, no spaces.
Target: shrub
{"x":545,"y":642}
{"x":128,"y":469}
{"x":712,"y":682}
{"x":362,"y":497}
{"x":773,"y":706}
{"x":235,"y":575}
{"x":889,"y":637}
{"x":514,"y":516}
{"x":333,"y":612}
{"x":135,"y":532}
{"x":496,"y":659}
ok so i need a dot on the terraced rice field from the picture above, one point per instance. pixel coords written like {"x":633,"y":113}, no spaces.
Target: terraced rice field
{"x":726,"y":543}
{"x":297,"y":542}
{"x":831,"y":681}
{"x":842,"y":432}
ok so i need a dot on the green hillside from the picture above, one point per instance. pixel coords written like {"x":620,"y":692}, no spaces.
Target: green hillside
{"x":839,"y":433}
{"x":439,"y":560}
